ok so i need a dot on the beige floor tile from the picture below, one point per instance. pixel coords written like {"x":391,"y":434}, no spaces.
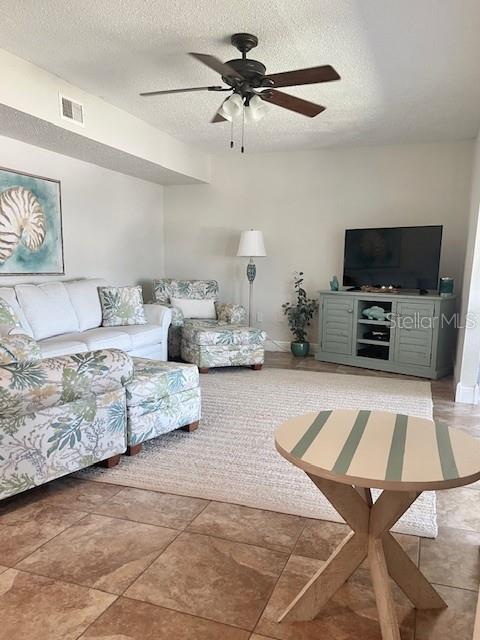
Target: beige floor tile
{"x":452,"y":559}
{"x":26,"y":527}
{"x":454,"y":623}
{"x":133,"y":620}
{"x":151,"y":507}
{"x":351,"y":613}
{"x":254,"y":526}
{"x":221,"y":580}
{"x":76,"y":494}
{"x":255,"y":636}
{"x":320,"y":538}
{"x":459,"y":509}
{"x":2,"y":569}
{"x":37,"y":608}
{"x":100,"y":552}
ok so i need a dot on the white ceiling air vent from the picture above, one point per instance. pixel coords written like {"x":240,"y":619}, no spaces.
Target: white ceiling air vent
{"x":71,"y":110}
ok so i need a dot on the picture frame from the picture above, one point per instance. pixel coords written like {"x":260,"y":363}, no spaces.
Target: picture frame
{"x":31,"y":224}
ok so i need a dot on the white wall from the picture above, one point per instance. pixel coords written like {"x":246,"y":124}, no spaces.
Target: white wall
{"x":29,"y":89}
{"x":304,"y":201}
{"x":112,"y":223}
{"x":468,"y":352}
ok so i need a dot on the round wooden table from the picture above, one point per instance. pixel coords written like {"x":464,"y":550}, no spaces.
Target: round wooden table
{"x":348,"y":452}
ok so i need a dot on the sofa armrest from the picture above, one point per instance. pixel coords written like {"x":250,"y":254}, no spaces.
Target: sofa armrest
{"x":161,"y":314}
{"x":29,"y":387}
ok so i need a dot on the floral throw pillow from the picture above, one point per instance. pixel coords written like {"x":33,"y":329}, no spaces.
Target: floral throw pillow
{"x":122,"y":306}
{"x":231,"y":313}
{"x":18,"y":347}
{"x":7,"y":314}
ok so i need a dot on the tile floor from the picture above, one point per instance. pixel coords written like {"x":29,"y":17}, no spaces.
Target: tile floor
{"x":81,"y":559}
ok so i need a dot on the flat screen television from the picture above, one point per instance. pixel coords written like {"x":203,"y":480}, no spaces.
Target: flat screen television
{"x":404,"y":257}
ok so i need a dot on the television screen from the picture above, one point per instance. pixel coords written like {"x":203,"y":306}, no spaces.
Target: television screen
{"x":406,"y":257}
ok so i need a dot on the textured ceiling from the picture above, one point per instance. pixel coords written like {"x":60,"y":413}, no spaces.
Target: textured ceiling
{"x":410,"y":69}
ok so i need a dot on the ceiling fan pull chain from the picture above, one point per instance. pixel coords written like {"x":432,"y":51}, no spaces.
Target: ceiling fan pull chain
{"x":231,"y":134}
{"x":243,"y":129}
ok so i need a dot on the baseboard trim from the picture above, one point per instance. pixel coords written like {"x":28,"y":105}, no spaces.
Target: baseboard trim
{"x":283,"y":346}
{"x":467,"y":395}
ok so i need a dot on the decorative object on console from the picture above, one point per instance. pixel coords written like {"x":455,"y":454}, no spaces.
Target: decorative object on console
{"x":251,"y":246}
{"x":446,"y":286}
{"x":334,"y":284}
{"x":122,"y":306}
{"x":375,"y":313}
{"x":30,"y":225}
{"x":299,"y":317}
{"x":384,"y":289}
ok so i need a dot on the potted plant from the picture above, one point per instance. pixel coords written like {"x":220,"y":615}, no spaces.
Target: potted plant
{"x":299,"y":316}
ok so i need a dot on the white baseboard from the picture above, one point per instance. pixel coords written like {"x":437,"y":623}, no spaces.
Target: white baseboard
{"x":467,"y":395}
{"x":283,"y":346}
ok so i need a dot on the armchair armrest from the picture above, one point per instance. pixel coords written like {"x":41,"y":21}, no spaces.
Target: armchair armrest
{"x":28,"y":387}
{"x":231,"y":313}
{"x":163,"y":314}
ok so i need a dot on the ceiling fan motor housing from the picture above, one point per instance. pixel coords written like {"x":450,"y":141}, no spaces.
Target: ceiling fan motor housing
{"x":251,"y":70}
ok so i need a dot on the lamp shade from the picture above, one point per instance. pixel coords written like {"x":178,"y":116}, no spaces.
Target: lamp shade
{"x":251,"y":244}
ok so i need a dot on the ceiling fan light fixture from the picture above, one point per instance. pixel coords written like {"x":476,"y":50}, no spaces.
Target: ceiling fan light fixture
{"x":224,"y":114}
{"x":233,"y":106}
{"x":255,"y":110}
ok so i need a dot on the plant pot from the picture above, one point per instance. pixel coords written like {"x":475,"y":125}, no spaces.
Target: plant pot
{"x":300,"y":349}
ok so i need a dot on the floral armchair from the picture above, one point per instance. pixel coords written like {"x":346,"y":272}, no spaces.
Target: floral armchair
{"x":224,"y":341}
{"x":58,"y":415}
{"x":167,"y":288}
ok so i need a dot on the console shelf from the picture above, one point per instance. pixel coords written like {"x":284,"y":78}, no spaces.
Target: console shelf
{"x":380,"y":323}
{"x":418,"y":340}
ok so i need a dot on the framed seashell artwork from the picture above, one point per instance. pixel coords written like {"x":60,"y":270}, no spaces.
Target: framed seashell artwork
{"x":31,"y":237}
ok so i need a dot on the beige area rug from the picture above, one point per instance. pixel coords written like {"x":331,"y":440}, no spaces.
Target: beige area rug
{"x":232,"y":456}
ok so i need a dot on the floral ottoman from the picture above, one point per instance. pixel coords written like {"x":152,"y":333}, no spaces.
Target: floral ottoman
{"x":162,"y":396}
{"x":210,"y":343}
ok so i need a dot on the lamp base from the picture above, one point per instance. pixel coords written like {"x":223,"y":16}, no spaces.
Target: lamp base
{"x":251,"y":271}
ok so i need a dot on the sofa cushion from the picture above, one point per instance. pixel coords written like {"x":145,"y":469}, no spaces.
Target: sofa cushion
{"x":8,"y":315}
{"x":48,"y":309}
{"x":143,"y":335}
{"x":195,"y":308}
{"x":86,"y":301}
{"x":122,"y":306}
{"x":105,"y":338}
{"x":8,"y":294}
{"x":154,"y":380}
{"x":61,"y":346}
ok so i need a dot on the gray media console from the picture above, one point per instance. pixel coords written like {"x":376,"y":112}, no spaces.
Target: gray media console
{"x":417,"y":338}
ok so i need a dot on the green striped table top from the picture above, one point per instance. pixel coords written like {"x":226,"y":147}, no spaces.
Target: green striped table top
{"x":380,"y":449}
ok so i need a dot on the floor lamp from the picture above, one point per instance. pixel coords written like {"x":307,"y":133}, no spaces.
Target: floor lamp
{"x":251,"y":246}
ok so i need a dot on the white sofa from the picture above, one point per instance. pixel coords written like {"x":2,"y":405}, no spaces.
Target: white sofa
{"x":66,"y":317}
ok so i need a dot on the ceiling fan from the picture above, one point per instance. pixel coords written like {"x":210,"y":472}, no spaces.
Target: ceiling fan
{"x":250,"y":86}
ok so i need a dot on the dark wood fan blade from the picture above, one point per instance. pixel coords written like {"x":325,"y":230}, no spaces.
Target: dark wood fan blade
{"x":160,"y":93}
{"x":304,"y":76}
{"x":292,"y":103}
{"x":217,"y":65}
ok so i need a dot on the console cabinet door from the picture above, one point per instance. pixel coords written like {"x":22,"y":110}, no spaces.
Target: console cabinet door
{"x":337,"y":325}
{"x":413,"y":327}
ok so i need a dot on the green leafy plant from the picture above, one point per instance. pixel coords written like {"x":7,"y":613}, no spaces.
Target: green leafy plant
{"x":300,"y":315}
